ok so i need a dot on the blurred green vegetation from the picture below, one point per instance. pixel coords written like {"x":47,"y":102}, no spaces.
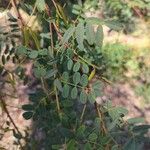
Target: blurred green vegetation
{"x":126,"y":65}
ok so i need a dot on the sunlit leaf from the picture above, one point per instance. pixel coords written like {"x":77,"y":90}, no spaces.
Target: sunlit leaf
{"x":99,"y":36}
{"x":40,"y":5}
{"x":135,"y":120}
{"x":90,"y":35}
{"x":68,"y":35}
{"x":80,"y":35}
{"x":33,"y":54}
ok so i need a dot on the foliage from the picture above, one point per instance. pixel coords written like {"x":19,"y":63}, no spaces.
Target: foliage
{"x":66,"y":56}
{"x":143,"y":87}
{"x":127,"y":11}
{"x":117,"y":58}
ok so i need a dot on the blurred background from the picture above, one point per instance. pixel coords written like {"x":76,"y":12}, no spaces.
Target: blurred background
{"x":125,"y":53}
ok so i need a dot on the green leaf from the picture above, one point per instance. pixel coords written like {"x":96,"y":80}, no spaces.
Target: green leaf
{"x":141,"y":128}
{"x":117,"y":112}
{"x":95,"y":21}
{"x":83,"y":97}
{"x":65,"y":91}
{"x":21,"y":50}
{"x":99,"y":36}
{"x":91,"y":97}
{"x":85,"y":68}
{"x":80,"y":35}
{"x":113,"y":124}
{"x":135,"y":120}
{"x":65,"y":76}
{"x":97,"y":87}
{"x":76,"y":12}
{"x":115,"y":147}
{"x":112,"y":24}
{"x":40,"y":5}
{"x":130,"y":145}
{"x":58,"y":84}
{"x":76,"y":67}
{"x":80,"y":131}
{"x":33,"y":54}
{"x":50,"y":73}
{"x":77,"y":7}
{"x":69,"y":64}
{"x":92,"y":137}
{"x":28,"y":107}
{"x":74,"y":93}
{"x":76,"y":77}
{"x":122,"y":110}
{"x":84,"y":80}
{"x":90,"y":35}
{"x":39,"y":72}
{"x":88,"y":146}
{"x":68,"y":35}
{"x":28,"y":115}
{"x":67,"y":103}
{"x":105,"y":140}
{"x":43,"y":52}
{"x":56,"y":147}
{"x":71,"y":145}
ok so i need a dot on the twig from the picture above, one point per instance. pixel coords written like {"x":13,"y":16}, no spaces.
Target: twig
{"x":44,"y":86}
{"x":52,"y":48}
{"x":14,"y":4}
{"x":12,"y":121}
{"x":83,"y":112}
{"x":100,"y":115}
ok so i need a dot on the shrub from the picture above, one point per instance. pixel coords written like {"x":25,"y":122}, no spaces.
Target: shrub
{"x":66,"y":56}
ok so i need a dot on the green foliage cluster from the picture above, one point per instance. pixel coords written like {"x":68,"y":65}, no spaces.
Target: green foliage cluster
{"x":117,"y":60}
{"x":127,"y":11}
{"x":66,"y":56}
{"x":143,"y":87}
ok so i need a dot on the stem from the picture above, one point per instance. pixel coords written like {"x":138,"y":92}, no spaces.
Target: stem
{"x":57,"y":100}
{"x":94,"y":66}
{"x":72,"y":84}
{"x":52,"y":47}
{"x":102,"y":125}
{"x":14,"y":4}
{"x":44,"y":87}
{"x":83,"y":112}
{"x":12,"y":121}
{"x":100,"y":115}
{"x":105,"y":80}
